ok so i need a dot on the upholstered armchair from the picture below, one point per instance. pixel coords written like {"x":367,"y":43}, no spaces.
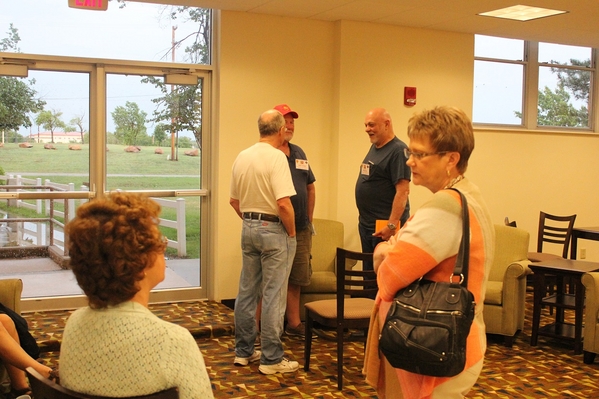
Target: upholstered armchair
{"x":506,"y":288}
{"x":329,"y":236}
{"x":590,"y":344}
{"x":10,"y":296}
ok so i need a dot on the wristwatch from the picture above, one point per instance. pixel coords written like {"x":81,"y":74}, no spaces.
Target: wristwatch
{"x":391,"y":226}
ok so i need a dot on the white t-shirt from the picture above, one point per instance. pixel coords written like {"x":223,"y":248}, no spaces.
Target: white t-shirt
{"x":260,"y":177}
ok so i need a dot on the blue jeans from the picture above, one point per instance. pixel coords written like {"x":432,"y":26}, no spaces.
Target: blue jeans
{"x":267,"y":257}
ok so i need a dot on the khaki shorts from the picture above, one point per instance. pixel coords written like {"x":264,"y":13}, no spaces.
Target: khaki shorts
{"x":301,"y":270}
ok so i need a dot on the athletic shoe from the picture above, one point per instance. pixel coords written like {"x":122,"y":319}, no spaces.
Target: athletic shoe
{"x":244,"y":361}
{"x":300,"y":330}
{"x":284,"y":366}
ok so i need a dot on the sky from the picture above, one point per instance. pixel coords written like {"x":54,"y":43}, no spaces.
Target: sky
{"x":50,"y":27}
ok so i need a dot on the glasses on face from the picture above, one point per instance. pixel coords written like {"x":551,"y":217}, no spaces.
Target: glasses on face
{"x":420,"y":155}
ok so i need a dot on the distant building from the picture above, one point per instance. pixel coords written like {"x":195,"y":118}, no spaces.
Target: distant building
{"x":59,"y":137}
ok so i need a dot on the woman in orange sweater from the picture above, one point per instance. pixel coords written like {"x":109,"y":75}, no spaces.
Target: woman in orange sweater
{"x":441,"y":141}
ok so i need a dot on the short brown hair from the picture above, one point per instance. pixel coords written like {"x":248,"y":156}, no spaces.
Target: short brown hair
{"x":447,"y":129}
{"x":112,"y":240}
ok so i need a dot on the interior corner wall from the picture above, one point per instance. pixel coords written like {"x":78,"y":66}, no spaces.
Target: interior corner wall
{"x":332,"y":73}
{"x":376,"y":62}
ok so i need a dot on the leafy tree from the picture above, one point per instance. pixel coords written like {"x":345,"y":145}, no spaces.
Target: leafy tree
{"x":78,"y":121}
{"x":17,"y":98}
{"x":50,"y":120}
{"x":11,"y":43}
{"x":555,"y":108}
{"x":160,"y":131}
{"x":130,"y":123}
{"x":181,"y":106}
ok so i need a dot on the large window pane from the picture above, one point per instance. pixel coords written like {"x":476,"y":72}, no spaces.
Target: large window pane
{"x":498,"y":48}
{"x":143,"y":32}
{"x":498,"y":93}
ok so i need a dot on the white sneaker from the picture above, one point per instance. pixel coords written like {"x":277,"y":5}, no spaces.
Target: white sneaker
{"x":244,"y":361}
{"x":284,"y":366}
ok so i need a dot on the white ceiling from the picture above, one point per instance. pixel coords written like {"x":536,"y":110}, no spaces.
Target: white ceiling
{"x":580,"y":26}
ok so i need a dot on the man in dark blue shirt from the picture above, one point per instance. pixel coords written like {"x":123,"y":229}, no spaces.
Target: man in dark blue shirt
{"x":303,"y":206}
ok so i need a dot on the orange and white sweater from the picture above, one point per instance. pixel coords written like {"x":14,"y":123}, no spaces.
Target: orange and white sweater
{"x":427,"y":246}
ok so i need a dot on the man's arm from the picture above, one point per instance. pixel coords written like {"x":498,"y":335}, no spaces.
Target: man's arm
{"x":311,"y":201}
{"x":402,"y":189}
{"x":287,"y":215}
{"x":235,"y":204}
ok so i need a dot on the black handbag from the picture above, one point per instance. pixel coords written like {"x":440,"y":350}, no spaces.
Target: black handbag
{"x":428,"y":323}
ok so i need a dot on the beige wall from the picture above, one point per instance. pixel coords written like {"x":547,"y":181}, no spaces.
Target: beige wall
{"x":332,"y":73}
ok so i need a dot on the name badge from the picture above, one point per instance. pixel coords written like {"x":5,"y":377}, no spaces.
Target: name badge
{"x":365,"y":169}
{"x":301,"y":164}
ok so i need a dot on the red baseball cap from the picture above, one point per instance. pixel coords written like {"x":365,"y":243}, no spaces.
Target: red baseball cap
{"x":284,"y":109}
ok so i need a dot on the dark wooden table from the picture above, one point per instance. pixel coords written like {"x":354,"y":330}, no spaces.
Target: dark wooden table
{"x":569,"y":269}
{"x":587,"y":233}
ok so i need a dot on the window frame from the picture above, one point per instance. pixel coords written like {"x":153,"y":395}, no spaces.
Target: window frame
{"x":530,"y":93}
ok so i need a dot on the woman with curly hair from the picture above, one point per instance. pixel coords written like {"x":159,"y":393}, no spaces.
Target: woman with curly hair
{"x":116,"y":346}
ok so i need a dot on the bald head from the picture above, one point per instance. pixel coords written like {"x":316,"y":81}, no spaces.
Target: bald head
{"x":379,"y":126}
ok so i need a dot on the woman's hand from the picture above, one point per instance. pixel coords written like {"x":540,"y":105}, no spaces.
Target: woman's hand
{"x":381,"y":251}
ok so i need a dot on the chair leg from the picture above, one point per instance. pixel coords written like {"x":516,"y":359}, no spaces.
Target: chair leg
{"x":340,"y":357}
{"x":588,"y":357}
{"x":308,"y":341}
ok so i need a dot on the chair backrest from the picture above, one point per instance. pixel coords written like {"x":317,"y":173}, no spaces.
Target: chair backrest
{"x":511,"y":245}
{"x":556,"y":230}
{"x":510,"y":224}
{"x":43,"y":388}
{"x":350,"y":282}
{"x":329,"y":236}
{"x":10,"y":293}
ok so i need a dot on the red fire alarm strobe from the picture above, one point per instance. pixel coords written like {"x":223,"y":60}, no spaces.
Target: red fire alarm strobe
{"x":409,"y":96}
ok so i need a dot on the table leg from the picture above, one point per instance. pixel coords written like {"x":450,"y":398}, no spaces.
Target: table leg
{"x":573,"y":245}
{"x":539,"y":281}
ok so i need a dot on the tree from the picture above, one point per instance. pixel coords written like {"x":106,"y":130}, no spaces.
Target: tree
{"x":11,"y":43}
{"x":555,"y":108}
{"x":160,"y":131}
{"x":17,"y":98}
{"x":50,"y":120}
{"x":78,"y":121}
{"x":181,"y":106}
{"x":130,"y":122}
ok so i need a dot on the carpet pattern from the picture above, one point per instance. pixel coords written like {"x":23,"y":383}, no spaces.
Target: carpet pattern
{"x":549,"y":370}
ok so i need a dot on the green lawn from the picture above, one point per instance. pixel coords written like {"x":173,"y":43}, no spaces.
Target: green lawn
{"x":126,"y":171}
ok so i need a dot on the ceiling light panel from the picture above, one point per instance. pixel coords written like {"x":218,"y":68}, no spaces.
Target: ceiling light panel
{"x":522,"y":13}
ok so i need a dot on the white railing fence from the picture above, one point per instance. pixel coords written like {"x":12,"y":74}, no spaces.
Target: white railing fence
{"x":35,"y":229}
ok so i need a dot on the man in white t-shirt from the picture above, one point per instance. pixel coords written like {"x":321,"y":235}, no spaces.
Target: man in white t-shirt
{"x":261,"y":187}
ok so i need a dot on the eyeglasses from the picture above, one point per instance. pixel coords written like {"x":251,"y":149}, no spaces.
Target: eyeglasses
{"x":420,"y":155}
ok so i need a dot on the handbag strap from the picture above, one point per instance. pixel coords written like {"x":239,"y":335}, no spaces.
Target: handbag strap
{"x":463,"y":259}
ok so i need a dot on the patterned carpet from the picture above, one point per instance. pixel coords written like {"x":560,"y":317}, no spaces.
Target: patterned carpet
{"x":550,"y":370}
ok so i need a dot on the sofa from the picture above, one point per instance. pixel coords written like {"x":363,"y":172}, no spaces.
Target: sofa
{"x":329,"y":236}
{"x":590,"y":332}
{"x":10,"y":296}
{"x":505,"y":295}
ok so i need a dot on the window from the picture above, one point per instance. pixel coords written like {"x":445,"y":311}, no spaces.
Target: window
{"x":504,"y":92}
{"x":100,"y":99}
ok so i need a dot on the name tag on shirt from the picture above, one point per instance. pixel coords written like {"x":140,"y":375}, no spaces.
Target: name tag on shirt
{"x":301,"y":164}
{"x":365,"y":169}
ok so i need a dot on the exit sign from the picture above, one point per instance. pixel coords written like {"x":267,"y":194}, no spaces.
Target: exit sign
{"x":100,"y":5}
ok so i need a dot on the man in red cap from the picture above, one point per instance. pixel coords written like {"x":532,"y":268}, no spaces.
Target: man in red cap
{"x":303,"y":206}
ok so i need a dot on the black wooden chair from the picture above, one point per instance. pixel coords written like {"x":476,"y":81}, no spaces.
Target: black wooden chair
{"x":350,"y":310}
{"x":43,"y":388}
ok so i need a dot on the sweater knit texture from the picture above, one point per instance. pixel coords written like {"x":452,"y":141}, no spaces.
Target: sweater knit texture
{"x":126,"y":350}
{"x":427,"y":246}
